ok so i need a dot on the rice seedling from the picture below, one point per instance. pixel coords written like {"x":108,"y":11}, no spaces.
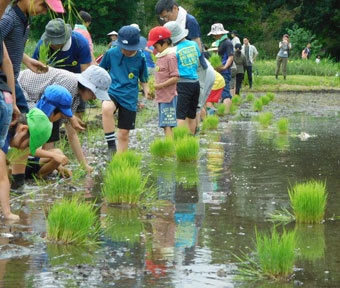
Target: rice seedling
{"x":265,"y":100}
{"x":270,"y":95}
{"x":274,"y":257}
{"x":308,"y":201}
{"x":163,"y":147}
{"x":215,"y":60}
{"x":265,"y":119}
{"x":187,"y":149}
{"x":126,"y":185}
{"x":180,"y":132}
{"x":125,"y":159}
{"x":221,"y":109}
{"x":250,"y":97}
{"x":210,"y":122}
{"x":73,"y":222}
{"x":282,"y":125}
{"x":257,"y":107}
{"x":236,"y":100}
{"x":233,"y":109}
{"x":123,"y":225}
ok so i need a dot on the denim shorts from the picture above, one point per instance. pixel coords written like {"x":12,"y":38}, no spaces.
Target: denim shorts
{"x":6,"y":111}
{"x":167,"y":113}
{"x":226,"y":89}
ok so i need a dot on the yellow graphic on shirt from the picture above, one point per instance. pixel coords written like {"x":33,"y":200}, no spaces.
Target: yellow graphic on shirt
{"x":188,"y":55}
{"x":131,"y":75}
{"x":74,"y":63}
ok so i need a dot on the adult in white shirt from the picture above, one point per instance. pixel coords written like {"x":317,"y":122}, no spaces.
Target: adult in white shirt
{"x":251,"y":53}
{"x":235,"y":39}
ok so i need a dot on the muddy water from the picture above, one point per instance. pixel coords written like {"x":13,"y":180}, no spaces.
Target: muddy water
{"x":211,"y":212}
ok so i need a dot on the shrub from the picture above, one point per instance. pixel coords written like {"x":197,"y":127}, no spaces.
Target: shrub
{"x":180,"y":132}
{"x":250,"y":97}
{"x":265,"y":100}
{"x":215,"y":61}
{"x":257,"y":105}
{"x":308,"y":201}
{"x":221,"y":109}
{"x":282,"y":125}
{"x":187,"y":149}
{"x":72,"y":222}
{"x":236,"y":100}
{"x":210,"y":122}
{"x":265,"y":119}
{"x":163,"y":147}
{"x":271,"y":96}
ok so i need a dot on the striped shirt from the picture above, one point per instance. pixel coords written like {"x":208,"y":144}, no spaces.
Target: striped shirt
{"x":34,"y":85}
{"x":14,"y":27}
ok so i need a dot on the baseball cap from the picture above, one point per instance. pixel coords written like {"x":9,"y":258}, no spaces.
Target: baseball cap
{"x":177,"y":33}
{"x":135,"y":25}
{"x":55,"y":96}
{"x":158,"y":33}
{"x":40,"y":128}
{"x":57,"y":32}
{"x":56,"y":5}
{"x":129,"y":39}
{"x":97,"y":80}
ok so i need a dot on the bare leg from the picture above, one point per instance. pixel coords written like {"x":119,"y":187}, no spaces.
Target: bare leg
{"x":227,"y":102}
{"x":191,"y":125}
{"x":108,"y":108}
{"x":4,"y":189}
{"x":168,"y":132}
{"x":19,"y":165}
{"x":48,"y":165}
{"x":123,"y":140}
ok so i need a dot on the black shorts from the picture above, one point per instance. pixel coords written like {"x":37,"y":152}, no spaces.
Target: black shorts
{"x":187,"y":102}
{"x":55,"y":132}
{"x":126,"y":118}
{"x":32,"y":167}
{"x":81,"y":106}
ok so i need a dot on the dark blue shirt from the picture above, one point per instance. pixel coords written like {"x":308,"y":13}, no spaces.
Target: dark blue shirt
{"x":15,"y":29}
{"x":225,"y":49}
{"x":125,"y":73}
{"x":3,"y":78}
{"x":79,"y":53}
{"x":195,"y":32}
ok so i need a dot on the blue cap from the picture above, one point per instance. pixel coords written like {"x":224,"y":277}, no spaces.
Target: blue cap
{"x":56,"y":96}
{"x":129,"y":39}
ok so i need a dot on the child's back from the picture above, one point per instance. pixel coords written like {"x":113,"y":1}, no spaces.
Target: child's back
{"x":188,"y":59}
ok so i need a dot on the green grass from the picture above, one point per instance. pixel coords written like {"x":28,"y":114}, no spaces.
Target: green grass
{"x":308,"y":201}
{"x":221,"y":109}
{"x":265,"y":119}
{"x":187,"y":149}
{"x":180,"y":132}
{"x":271,"y":96}
{"x":164,"y":147}
{"x":215,"y":60}
{"x":210,"y":122}
{"x":126,"y":185}
{"x":265,"y":100}
{"x":236,"y":100}
{"x":282,"y":125}
{"x":72,"y":222}
{"x":127,"y":158}
{"x":257,"y":107}
{"x":250,"y":97}
{"x":274,"y":257}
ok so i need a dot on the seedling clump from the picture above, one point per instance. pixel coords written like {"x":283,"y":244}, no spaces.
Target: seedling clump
{"x":187,"y":149}
{"x":271,"y":96}
{"x":215,"y":60}
{"x":265,"y":100}
{"x":308,"y":201}
{"x":265,"y":119}
{"x":163,"y":147}
{"x":250,"y":98}
{"x":72,"y":222}
{"x":236,"y":100}
{"x":257,"y":105}
{"x":210,"y":122}
{"x":282,"y":125}
{"x":221,"y":109}
{"x":180,"y":132}
{"x":127,"y":158}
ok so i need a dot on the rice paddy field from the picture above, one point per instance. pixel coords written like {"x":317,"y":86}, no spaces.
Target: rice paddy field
{"x":208,"y":220}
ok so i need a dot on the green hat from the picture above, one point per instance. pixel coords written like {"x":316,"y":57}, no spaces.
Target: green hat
{"x":40,"y":128}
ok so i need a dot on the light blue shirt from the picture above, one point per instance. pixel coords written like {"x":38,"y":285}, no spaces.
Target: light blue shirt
{"x":188,"y":55}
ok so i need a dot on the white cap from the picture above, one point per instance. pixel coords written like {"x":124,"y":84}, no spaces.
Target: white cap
{"x":135,"y":25}
{"x":112,"y":33}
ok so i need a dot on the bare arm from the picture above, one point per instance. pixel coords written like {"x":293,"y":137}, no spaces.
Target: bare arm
{"x":83,"y":67}
{"x":145,"y":87}
{"x":170,"y":81}
{"x":227,"y":64}
{"x":62,"y":159}
{"x":34,"y":65}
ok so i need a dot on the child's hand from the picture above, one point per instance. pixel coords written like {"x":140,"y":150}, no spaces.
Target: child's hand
{"x":158,"y":86}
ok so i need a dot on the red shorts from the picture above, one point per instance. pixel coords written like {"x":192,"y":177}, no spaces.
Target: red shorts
{"x":215,"y":95}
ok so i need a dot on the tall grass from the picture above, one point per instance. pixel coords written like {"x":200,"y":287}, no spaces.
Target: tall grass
{"x":257,"y":107}
{"x":187,"y":149}
{"x":274,"y":257}
{"x":180,"y":132}
{"x":164,"y":147}
{"x":221,"y":109}
{"x":72,"y":222}
{"x":308,"y":201}
{"x":282,"y":125}
{"x":265,"y":119}
{"x":210,"y":122}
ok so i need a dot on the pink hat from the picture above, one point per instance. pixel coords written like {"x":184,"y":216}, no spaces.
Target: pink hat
{"x":56,"y":6}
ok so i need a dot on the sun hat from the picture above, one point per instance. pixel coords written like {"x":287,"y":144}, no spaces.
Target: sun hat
{"x":112,"y":33}
{"x":217,"y":29}
{"x":40,"y":128}
{"x":97,"y":80}
{"x":55,"y":96}
{"x":129,"y":39}
{"x":177,"y":33}
{"x":57,"y":32}
{"x":135,"y":25}
{"x":158,"y":33}
{"x":56,"y":5}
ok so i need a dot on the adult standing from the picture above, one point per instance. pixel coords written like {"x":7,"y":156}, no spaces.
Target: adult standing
{"x":235,"y":39}
{"x":241,"y":66}
{"x":226,"y":52}
{"x":251,"y":53}
{"x":282,"y":56}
